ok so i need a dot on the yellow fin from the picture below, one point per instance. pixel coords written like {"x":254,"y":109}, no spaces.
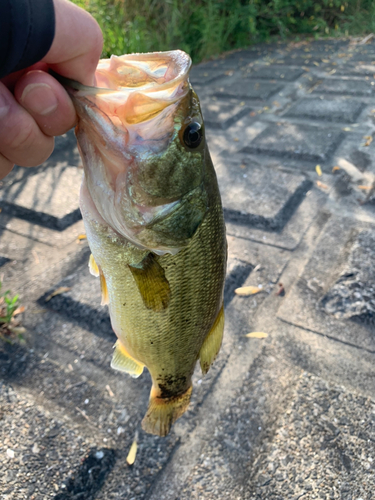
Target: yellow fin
{"x":212,"y":343}
{"x":163,"y":412}
{"x":103,"y":286}
{"x":123,"y":362}
{"x":152,"y":283}
{"x":94,"y":270}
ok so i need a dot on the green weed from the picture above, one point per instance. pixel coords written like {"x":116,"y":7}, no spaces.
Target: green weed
{"x":9,"y":308}
{"x":206,"y":28}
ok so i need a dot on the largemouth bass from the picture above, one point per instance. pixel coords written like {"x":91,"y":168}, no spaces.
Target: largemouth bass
{"x":154,"y":222}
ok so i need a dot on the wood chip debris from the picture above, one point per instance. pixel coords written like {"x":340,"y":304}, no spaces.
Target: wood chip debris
{"x":318,"y":170}
{"x":321,"y":185}
{"x":58,"y":291}
{"x":36,"y":257}
{"x":256,"y":335}
{"x":248,"y":290}
{"x":83,"y":414}
{"x":335,"y":168}
{"x":110,"y":392}
{"x":133,"y":451}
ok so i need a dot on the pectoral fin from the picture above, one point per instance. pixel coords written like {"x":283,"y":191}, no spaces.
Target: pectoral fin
{"x":152,"y":283}
{"x":123,"y":362}
{"x":94,"y":270}
{"x":212,"y":343}
{"x":103,"y":286}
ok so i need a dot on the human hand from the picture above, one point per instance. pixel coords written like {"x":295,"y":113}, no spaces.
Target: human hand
{"x":34,"y":107}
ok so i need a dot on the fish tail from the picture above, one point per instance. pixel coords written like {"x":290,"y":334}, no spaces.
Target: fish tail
{"x":163,"y":412}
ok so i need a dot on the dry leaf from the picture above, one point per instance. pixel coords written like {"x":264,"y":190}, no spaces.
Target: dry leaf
{"x":325,"y":60}
{"x":335,"y":168}
{"x":58,"y":291}
{"x":132,"y":452}
{"x":347,"y":129}
{"x":81,"y":237}
{"x":318,"y":170}
{"x":19,"y":310}
{"x":321,"y":185}
{"x":257,"y":335}
{"x":368,"y":141}
{"x":316,"y":63}
{"x":247,"y":290}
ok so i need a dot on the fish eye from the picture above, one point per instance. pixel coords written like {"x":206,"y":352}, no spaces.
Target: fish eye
{"x":193,"y":135}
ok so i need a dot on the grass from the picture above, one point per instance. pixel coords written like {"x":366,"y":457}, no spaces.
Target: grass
{"x":10,"y":327}
{"x":206,"y":28}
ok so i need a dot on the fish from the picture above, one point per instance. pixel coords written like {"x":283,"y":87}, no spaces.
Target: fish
{"x":154,"y":222}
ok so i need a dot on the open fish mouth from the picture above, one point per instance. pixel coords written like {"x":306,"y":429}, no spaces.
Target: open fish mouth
{"x":135,"y":87}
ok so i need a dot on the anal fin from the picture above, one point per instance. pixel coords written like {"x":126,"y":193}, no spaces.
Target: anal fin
{"x":163,"y":412}
{"x":123,"y":362}
{"x":152,"y":283}
{"x":212,"y":343}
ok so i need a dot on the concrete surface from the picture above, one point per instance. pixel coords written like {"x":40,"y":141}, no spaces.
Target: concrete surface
{"x":288,"y":417}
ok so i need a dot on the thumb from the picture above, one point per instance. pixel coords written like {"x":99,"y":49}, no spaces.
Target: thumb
{"x":77,"y":45}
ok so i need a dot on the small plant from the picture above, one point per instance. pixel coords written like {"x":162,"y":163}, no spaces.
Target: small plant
{"x":10,"y":326}
{"x":206,"y":28}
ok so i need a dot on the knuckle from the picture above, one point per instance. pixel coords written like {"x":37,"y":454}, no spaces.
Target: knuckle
{"x":22,"y":136}
{"x":26,"y":144}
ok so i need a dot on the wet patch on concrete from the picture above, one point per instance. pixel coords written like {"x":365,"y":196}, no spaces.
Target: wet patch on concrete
{"x":353,"y":294}
{"x":89,"y":478}
{"x":325,"y":298}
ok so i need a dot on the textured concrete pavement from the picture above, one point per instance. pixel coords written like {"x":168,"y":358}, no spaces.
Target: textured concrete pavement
{"x":288,"y":417}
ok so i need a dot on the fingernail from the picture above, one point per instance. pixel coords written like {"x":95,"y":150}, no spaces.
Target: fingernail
{"x":39,"y":98}
{"x":4,"y":106}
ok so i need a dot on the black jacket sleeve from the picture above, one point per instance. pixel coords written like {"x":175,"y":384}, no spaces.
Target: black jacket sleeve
{"x":27,"y":29}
